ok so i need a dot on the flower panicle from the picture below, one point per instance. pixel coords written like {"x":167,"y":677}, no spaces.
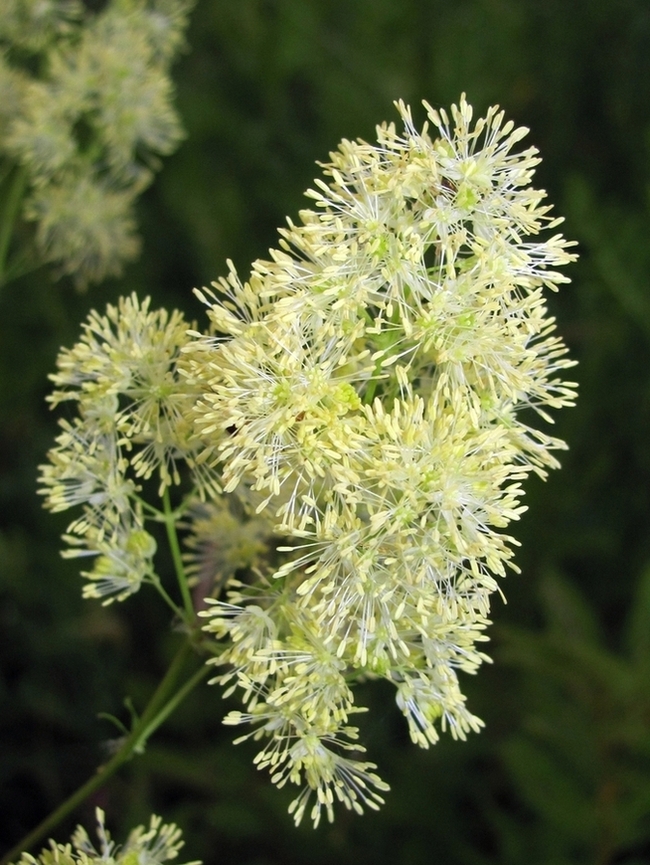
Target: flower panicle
{"x":365,"y":389}
{"x":358,"y":421}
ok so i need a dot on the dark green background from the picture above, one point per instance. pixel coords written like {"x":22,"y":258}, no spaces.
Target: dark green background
{"x":562,"y":772}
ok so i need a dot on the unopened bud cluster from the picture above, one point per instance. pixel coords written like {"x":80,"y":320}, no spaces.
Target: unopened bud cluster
{"x":358,"y":400}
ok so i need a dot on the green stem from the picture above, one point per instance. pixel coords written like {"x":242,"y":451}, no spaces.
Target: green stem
{"x":21,"y":263}
{"x":154,"y":513}
{"x":157,"y":710}
{"x":169,"y":707}
{"x":170,"y":525}
{"x":155,"y":582}
{"x":9,"y":212}
{"x":370,"y":390}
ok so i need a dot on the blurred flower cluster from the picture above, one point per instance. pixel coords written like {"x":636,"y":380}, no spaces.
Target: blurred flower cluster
{"x":153,"y":846}
{"x":85,"y":112}
{"x":366,"y":402}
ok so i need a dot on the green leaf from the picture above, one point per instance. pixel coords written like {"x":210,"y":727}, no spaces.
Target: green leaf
{"x":567,"y":611}
{"x":551,"y":790}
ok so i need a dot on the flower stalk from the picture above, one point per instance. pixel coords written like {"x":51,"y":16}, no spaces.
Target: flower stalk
{"x":172,"y":536}
{"x":157,"y":710}
{"x":12,"y":201}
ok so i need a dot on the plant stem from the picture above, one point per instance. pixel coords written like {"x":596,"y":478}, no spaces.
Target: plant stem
{"x":169,"y":707}
{"x":170,"y":525}
{"x":157,"y":710}
{"x":9,"y":212}
{"x":22,"y":262}
{"x":155,"y":582}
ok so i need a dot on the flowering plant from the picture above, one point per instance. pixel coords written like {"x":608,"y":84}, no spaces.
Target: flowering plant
{"x":353,"y":430}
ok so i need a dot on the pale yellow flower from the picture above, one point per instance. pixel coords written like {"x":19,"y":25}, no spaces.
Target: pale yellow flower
{"x":363,"y":391}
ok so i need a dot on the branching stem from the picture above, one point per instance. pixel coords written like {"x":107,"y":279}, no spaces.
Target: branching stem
{"x":172,"y":537}
{"x":160,"y":706}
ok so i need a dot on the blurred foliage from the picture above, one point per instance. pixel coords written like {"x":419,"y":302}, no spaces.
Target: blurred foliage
{"x":561,"y":773}
{"x":580,"y":758}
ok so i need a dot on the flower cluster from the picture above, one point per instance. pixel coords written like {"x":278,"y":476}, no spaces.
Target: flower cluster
{"x":87,"y":130}
{"x":357,"y":423}
{"x":159,"y":843}
{"x":365,"y":390}
{"x":133,"y":421}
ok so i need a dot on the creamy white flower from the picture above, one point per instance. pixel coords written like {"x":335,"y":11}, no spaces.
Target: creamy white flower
{"x":363,"y":389}
{"x":360,"y":399}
